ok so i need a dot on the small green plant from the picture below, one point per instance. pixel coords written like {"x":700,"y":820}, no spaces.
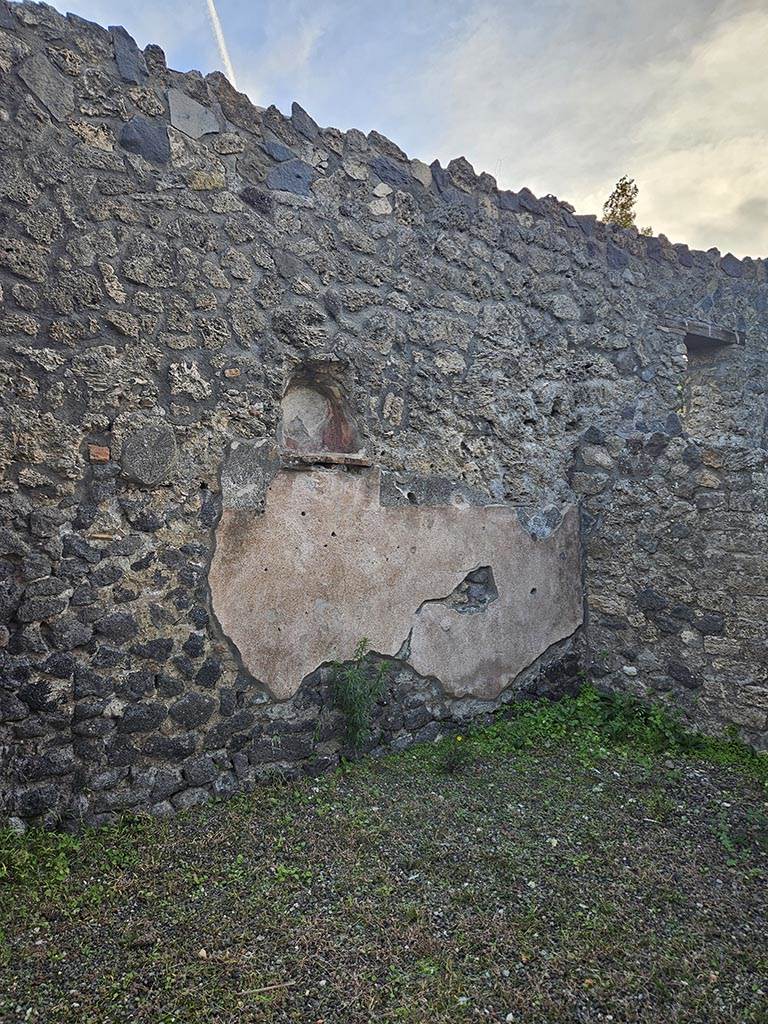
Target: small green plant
{"x":428,"y":966}
{"x":286,"y":873}
{"x":237,"y":871}
{"x":456,"y":754}
{"x":357,"y":685}
{"x":36,"y":859}
{"x":659,"y":805}
{"x":727,"y":841}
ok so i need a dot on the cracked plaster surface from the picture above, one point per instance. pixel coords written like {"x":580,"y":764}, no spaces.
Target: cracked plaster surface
{"x":327,"y":564}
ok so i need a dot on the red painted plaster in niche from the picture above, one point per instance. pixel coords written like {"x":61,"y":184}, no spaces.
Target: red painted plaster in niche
{"x":315,"y":415}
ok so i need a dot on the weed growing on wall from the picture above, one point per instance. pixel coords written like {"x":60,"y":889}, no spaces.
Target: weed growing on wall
{"x":357,"y":685}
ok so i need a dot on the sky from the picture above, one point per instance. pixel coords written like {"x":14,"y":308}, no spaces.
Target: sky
{"x":562,"y":96}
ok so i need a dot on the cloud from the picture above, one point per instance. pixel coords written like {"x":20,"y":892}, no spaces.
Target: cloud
{"x":567,"y":100}
{"x":702,"y":152}
{"x":282,"y":61}
{"x":344,"y":60}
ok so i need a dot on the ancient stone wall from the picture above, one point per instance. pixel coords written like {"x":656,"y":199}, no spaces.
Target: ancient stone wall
{"x":198,"y":297}
{"x":676,"y":541}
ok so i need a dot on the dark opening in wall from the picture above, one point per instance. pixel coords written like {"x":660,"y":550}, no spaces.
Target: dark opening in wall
{"x":710,"y":389}
{"x":316,"y":415}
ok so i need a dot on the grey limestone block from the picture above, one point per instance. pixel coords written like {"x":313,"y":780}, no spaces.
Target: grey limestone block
{"x":191,"y":117}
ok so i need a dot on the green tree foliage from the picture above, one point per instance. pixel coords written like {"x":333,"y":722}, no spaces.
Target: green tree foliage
{"x":620,"y":205}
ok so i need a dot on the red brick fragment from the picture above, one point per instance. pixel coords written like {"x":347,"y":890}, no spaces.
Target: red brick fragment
{"x":98,"y":453}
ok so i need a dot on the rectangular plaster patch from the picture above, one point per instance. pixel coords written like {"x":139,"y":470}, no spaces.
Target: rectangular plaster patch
{"x":327,"y":564}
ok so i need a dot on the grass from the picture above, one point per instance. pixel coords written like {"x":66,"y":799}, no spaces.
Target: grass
{"x":574,"y":862}
{"x":597,"y":726}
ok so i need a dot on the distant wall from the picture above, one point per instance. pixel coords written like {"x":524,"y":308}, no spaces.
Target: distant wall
{"x":188,"y":282}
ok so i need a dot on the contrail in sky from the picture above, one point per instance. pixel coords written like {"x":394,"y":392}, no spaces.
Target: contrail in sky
{"x":221,"y":42}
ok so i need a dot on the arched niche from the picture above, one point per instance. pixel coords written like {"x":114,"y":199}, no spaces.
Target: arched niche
{"x":316,"y":416}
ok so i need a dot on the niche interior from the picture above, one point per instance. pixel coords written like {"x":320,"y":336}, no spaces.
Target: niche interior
{"x":317,"y":419}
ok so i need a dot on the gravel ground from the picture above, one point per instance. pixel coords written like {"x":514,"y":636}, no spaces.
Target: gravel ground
{"x":521,"y":888}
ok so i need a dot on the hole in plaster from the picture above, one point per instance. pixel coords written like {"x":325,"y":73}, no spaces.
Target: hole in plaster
{"x":533,"y":590}
{"x":475,"y":592}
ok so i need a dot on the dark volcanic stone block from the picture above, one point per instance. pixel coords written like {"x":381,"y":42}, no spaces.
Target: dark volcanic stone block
{"x":129,"y":58}
{"x":303,"y":123}
{"x":149,"y":455}
{"x":292,"y":176}
{"x":392,"y":173}
{"x":7,"y":20}
{"x":146,"y":138}
{"x":52,"y":88}
{"x":193,"y":709}
{"x":142,"y":717}
{"x":118,"y":627}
